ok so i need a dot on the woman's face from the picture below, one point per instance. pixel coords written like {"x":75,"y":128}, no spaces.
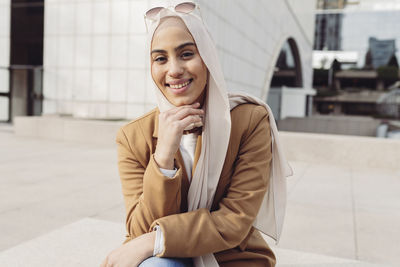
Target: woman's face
{"x":176,"y":65}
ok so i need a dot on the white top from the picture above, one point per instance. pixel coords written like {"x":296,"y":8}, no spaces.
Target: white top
{"x":187,"y":147}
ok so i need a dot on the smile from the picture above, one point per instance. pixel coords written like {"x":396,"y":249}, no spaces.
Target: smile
{"x":177,"y":86}
{"x":180,"y":87}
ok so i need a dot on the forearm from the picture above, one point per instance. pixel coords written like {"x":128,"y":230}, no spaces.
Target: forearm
{"x":162,"y":194}
{"x":161,"y":197}
{"x":132,"y":253}
{"x":145,"y":244}
{"x":201,"y":232}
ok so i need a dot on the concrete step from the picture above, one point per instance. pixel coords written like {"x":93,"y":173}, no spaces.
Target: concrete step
{"x":6,"y":127}
{"x":67,"y":129}
{"x":88,"y":241}
{"x":292,"y":258}
{"x":83,"y":243}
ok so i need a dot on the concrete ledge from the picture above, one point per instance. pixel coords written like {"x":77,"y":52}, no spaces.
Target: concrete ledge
{"x":67,"y":129}
{"x":328,"y":124}
{"x":88,"y":241}
{"x":293,"y":258}
{"x":83,"y":243}
{"x":344,"y":150}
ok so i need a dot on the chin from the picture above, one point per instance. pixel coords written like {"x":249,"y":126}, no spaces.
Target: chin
{"x":182,"y":102}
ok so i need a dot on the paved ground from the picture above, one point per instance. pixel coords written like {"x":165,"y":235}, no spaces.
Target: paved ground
{"x":51,"y":191}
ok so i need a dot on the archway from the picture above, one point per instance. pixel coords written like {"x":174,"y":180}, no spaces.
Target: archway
{"x":287,"y":71}
{"x":287,"y":74}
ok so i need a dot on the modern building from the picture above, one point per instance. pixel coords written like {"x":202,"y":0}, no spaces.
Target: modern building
{"x":331,"y":4}
{"x":366,"y":56}
{"x":380,"y":53}
{"x":95,"y":63}
{"x":360,"y":22}
{"x":328,"y":32}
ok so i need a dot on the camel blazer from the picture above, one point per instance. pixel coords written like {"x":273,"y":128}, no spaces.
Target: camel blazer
{"x":153,"y":199}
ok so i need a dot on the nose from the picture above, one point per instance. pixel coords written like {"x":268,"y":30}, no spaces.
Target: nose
{"x":176,"y":68}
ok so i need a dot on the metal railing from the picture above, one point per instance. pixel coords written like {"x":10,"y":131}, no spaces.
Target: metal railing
{"x":25,"y":94}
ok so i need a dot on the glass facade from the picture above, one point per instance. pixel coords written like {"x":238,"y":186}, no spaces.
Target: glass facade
{"x":356,"y":29}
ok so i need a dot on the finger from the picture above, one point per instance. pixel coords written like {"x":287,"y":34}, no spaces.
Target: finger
{"x":176,"y":109}
{"x":180,"y":114}
{"x":189,"y":120}
{"x":183,"y":113}
{"x":104,"y":263}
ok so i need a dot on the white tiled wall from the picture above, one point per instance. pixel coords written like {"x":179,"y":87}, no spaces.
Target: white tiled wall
{"x":4,"y":56}
{"x":4,"y":43}
{"x":250,"y":35}
{"x":96,"y":63}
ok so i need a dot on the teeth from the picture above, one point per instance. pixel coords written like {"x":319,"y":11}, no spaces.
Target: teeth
{"x":177,"y":86}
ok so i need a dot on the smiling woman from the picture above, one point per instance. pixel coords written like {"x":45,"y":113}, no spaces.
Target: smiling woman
{"x":176,"y":65}
{"x":195,"y":171}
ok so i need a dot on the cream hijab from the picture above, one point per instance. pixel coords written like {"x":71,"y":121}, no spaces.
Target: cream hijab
{"x":215,"y":137}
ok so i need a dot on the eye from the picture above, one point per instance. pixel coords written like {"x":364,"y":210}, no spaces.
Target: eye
{"x":160,"y":59}
{"x":187,"y":54}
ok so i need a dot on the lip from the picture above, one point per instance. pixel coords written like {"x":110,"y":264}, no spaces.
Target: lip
{"x":180,"y":81}
{"x":182,"y":89}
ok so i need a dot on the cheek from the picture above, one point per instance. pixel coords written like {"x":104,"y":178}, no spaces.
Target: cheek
{"x":156,"y":73}
{"x":200,"y":70}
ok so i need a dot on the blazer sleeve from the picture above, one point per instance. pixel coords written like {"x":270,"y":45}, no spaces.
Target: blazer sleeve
{"x":148,"y":194}
{"x":199,"y":232}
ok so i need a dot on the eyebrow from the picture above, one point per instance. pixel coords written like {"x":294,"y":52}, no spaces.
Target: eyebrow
{"x":176,"y":48}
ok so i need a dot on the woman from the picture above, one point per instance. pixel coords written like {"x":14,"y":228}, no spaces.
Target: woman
{"x":195,"y":171}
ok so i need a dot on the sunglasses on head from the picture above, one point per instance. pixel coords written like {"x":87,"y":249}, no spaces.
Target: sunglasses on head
{"x":185,"y":7}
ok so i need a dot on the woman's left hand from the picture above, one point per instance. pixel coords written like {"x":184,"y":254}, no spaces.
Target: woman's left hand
{"x":132,"y":253}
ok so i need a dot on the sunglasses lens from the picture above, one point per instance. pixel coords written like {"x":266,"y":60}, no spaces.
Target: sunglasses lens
{"x":152,"y":13}
{"x":185,"y":7}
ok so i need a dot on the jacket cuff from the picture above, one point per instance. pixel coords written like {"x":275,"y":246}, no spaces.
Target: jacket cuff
{"x":159,"y":242}
{"x":169,"y":173}
{"x":161,"y":193}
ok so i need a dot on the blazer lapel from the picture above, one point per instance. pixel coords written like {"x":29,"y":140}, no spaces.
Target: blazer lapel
{"x":185,"y":181}
{"x":197,"y":153}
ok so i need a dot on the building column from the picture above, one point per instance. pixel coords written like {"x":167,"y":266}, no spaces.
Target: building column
{"x":337,"y":110}
{"x":380,"y":85}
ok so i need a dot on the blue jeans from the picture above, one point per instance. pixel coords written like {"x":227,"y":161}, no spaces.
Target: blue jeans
{"x":166,"y":262}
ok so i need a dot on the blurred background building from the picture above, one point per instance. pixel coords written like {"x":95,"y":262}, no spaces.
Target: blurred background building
{"x":355,"y":64}
{"x":87,"y":59}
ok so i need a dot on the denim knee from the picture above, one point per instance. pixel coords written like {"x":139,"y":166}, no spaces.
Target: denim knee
{"x":166,"y":262}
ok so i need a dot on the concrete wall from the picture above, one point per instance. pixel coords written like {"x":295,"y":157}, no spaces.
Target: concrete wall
{"x":96,"y":66}
{"x":289,"y":102}
{"x":67,"y":129}
{"x":304,"y":11}
{"x":5,"y":10}
{"x":341,"y":150}
{"x":336,"y":150}
{"x":345,"y":125}
{"x":250,"y":35}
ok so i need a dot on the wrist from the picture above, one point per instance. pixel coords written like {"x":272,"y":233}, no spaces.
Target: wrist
{"x":164,"y":162}
{"x":149,"y":248}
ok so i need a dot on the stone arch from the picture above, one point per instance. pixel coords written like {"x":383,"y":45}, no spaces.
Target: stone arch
{"x":285,"y":41}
